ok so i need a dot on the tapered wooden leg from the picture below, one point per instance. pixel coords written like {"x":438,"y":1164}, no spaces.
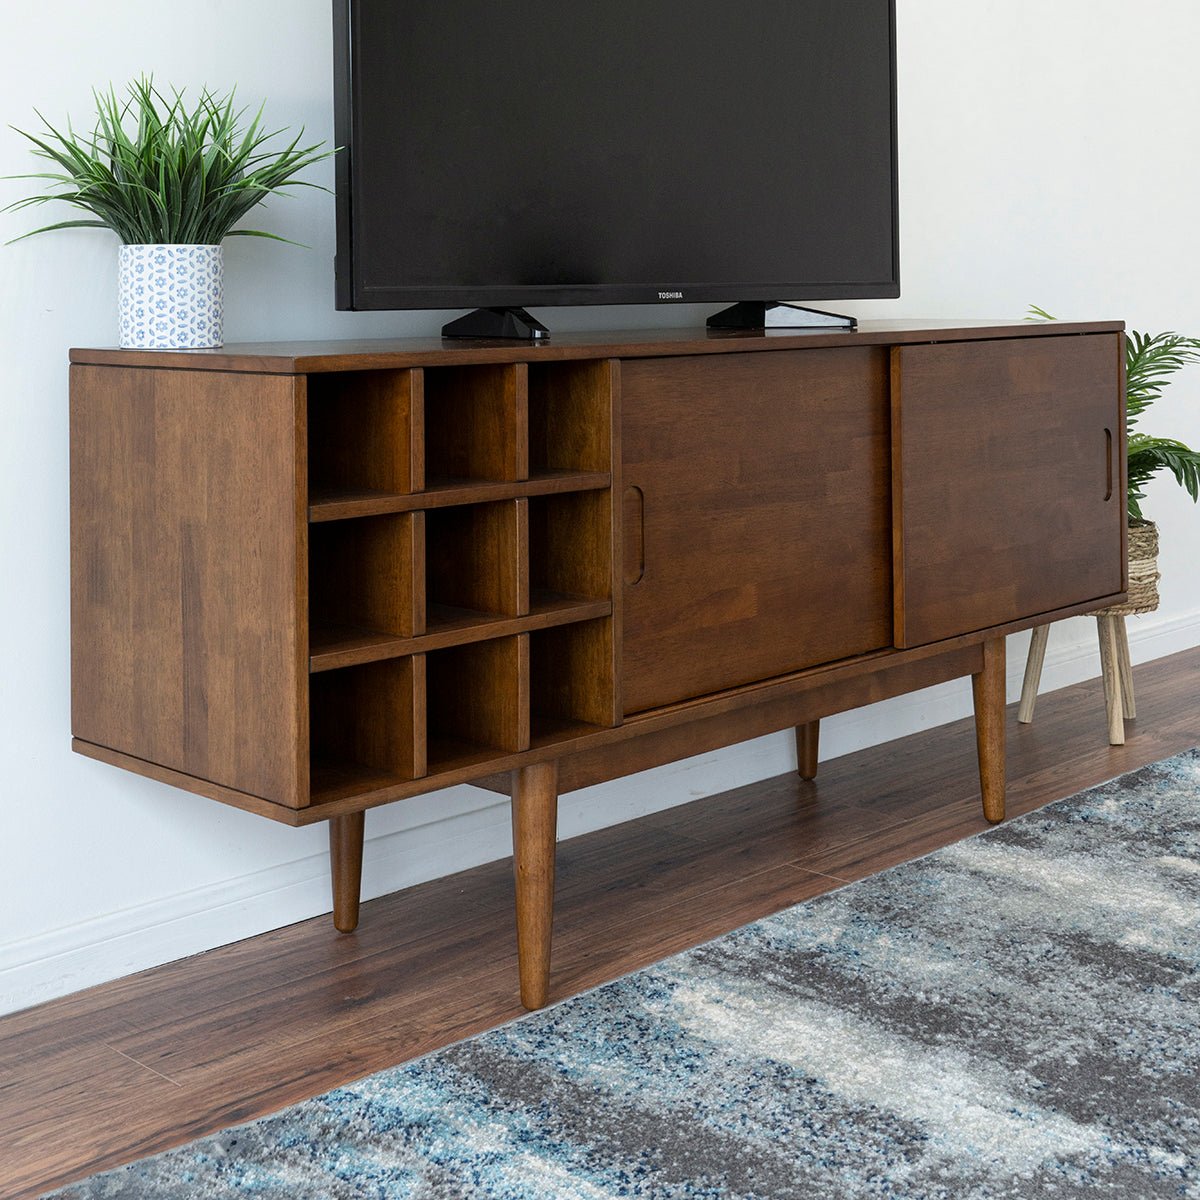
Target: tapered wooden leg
{"x":1033,"y":673}
{"x":1110,"y":672}
{"x":807,"y":741}
{"x":987,"y":690}
{"x":345,"y":868}
{"x":535,"y":821}
{"x":1128,"y":704}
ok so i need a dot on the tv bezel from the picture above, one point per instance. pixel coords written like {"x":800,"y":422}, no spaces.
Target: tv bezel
{"x":353,"y":296}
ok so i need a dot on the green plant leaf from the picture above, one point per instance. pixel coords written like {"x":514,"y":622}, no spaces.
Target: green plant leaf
{"x":263,"y":234}
{"x":156,"y":168}
{"x":59,"y":225}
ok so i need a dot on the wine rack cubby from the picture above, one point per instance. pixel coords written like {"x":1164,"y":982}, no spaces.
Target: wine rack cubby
{"x":572,"y":681}
{"x":368,"y":724}
{"x":363,"y":435}
{"x":478,"y":702}
{"x":570,"y":545}
{"x":570,"y":417}
{"x":474,"y":559}
{"x":475,"y":424}
{"x":365,"y":579}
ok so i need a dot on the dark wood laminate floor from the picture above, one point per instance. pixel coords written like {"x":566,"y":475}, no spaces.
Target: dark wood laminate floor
{"x":148,"y":1062}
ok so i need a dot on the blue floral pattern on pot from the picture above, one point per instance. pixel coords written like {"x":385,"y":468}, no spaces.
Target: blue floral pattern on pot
{"x":171,"y":297}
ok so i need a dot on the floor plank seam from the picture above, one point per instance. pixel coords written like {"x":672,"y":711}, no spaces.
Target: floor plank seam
{"x":838,"y":879}
{"x":144,"y":1066}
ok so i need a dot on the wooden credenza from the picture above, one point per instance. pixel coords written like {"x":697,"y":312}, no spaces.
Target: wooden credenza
{"x":308,"y":579}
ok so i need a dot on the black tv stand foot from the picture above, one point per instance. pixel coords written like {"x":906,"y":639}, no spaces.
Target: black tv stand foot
{"x":497,"y":323}
{"x":762,"y":314}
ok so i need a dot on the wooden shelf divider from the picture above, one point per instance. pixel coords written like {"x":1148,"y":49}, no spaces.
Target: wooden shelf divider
{"x":342,"y":646}
{"x":333,"y":504}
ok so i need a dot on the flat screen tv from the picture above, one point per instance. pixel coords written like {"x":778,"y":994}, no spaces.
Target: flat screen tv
{"x":614,"y":151}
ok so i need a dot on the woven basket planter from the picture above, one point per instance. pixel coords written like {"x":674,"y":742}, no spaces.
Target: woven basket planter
{"x":1143,"y":572}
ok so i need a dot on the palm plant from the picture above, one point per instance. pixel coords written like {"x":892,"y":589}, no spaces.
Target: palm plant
{"x":156,"y":170}
{"x":1150,"y":362}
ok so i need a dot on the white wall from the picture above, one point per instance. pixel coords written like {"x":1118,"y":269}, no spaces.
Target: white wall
{"x":1046,"y":156}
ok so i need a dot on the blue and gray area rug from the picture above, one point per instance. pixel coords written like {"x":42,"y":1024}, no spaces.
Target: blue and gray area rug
{"x":1017,"y":1015}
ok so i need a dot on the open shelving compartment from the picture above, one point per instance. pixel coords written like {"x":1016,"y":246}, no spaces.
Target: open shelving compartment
{"x":364,"y":439}
{"x":570,"y":434}
{"x":366,"y":583}
{"x":475,"y":425}
{"x":570,"y":546}
{"x":478,"y":702}
{"x":570,"y":419}
{"x":572,"y":681}
{"x":476,"y":558}
{"x":367,"y":726}
{"x":460,"y":567}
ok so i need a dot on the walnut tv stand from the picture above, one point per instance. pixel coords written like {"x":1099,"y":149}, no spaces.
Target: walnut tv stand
{"x":308,"y":579}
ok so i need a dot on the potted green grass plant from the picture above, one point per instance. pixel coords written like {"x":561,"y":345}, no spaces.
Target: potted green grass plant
{"x":171,"y":179}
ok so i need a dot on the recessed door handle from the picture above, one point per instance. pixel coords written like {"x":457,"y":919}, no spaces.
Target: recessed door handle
{"x":1108,"y":464}
{"x":633,"y":508}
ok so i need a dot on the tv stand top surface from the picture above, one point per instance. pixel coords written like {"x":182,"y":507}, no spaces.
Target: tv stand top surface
{"x":291,"y":358}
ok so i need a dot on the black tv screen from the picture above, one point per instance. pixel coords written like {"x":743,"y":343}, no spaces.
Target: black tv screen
{"x":614,"y":151}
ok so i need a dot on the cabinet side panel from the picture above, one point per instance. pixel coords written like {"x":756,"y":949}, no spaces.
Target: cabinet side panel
{"x":185,"y":621}
{"x":1010,"y":493}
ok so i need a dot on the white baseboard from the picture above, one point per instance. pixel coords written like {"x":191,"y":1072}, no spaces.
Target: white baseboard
{"x":66,"y":960}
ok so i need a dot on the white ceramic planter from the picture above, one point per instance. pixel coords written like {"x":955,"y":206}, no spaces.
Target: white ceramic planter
{"x":171,"y":297}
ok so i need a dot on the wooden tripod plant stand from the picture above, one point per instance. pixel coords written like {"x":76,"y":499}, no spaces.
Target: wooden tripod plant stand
{"x":1115,"y":670}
